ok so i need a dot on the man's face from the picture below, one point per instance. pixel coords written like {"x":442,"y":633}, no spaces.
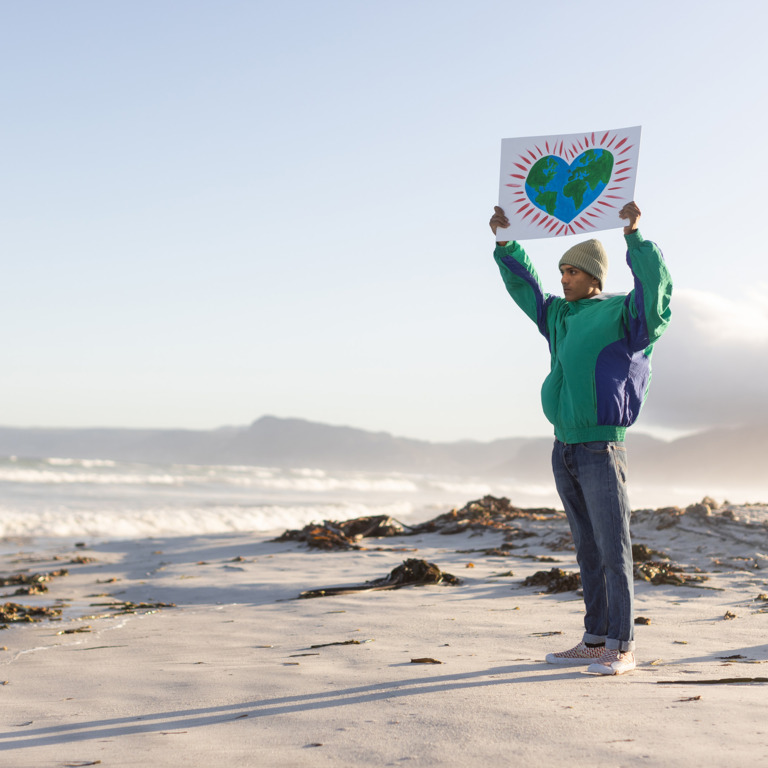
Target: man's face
{"x":578,"y":284}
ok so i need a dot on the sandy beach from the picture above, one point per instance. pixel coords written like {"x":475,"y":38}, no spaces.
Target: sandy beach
{"x":195,"y":651}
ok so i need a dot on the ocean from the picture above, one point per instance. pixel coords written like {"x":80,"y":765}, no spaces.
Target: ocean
{"x":87,"y":499}
{"x":72,"y":498}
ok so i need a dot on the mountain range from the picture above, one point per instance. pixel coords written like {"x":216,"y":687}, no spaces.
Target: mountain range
{"x":724,"y":456}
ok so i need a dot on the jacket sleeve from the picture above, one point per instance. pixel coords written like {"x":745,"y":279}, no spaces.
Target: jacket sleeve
{"x":523,"y":284}
{"x":647,"y":311}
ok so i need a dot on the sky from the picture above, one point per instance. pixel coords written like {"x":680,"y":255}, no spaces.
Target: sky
{"x":215,"y":210}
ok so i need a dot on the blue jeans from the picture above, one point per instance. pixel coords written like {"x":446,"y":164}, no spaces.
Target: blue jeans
{"x":591,"y":480}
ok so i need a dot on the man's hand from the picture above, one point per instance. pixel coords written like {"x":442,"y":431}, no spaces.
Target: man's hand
{"x":498,"y":220}
{"x":630,"y":212}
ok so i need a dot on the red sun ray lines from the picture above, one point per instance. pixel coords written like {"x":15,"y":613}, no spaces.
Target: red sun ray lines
{"x":528,"y":211}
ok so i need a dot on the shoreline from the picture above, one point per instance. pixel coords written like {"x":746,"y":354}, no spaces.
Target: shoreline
{"x":230,"y":674}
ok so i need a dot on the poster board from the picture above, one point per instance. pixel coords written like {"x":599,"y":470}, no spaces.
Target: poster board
{"x":553,"y":186}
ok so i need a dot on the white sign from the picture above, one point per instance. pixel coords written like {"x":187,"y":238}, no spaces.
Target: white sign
{"x":552,"y":186}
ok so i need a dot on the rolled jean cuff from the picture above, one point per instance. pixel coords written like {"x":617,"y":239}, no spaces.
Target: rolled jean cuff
{"x":593,"y":639}
{"x":620,"y":645}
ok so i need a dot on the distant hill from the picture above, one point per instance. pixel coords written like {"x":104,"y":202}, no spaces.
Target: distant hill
{"x":726,"y":456}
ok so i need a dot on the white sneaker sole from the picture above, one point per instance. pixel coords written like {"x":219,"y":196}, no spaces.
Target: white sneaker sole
{"x":602,"y":669}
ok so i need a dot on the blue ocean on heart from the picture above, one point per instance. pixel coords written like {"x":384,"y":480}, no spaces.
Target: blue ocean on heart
{"x":563,"y":189}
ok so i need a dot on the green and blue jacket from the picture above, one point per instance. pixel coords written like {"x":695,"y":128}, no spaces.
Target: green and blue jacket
{"x":600,"y":347}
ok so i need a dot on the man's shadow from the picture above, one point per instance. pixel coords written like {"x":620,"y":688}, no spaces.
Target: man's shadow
{"x":184,"y":719}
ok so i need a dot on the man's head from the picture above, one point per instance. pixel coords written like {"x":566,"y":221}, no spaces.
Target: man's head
{"x":584,"y":269}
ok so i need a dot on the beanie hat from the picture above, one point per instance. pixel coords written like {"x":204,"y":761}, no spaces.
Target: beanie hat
{"x":590,"y":257}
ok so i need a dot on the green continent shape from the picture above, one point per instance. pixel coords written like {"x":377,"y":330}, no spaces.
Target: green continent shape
{"x":548,"y":201}
{"x":542,"y":172}
{"x":575,"y":190}
{"x":594,"y":168}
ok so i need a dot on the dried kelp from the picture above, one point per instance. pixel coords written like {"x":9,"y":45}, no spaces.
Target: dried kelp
{"x":658,"y":572}
{"x":715,"y":681}
{"x":488,"y":513}
{"x":12,"y":613}
{"x":126,"y":607}
{"x":411,"y":572}
{"x":642,"y":553}
{"x":31,"y":583}
{"x":345,"y":534}
{"x":554,"y":580}
{"x":341,"y":642}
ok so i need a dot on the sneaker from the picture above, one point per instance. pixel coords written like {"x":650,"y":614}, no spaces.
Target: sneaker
{"x":613,"y":662}
{"x":579,"y":654}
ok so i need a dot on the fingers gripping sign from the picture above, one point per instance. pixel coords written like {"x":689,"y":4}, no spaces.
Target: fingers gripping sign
{"x":632,"y":213}
{"x":498,"y":220}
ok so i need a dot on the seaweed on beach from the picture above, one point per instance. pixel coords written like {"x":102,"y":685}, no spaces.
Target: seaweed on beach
{"x":489,"y":513}
{"x":661,"y":571}
{"x":31,"y":579}
{"x":31,"y":583}
{"x":346,"y":534}
{"x":554,"y":580}
{"x":14,"y":613}
{"x":411,"y":572}
{"x":642,"y":553}
{"x":126,"y":607}
{"x":340,"y":642}
{"x":658,"y":572}
{"x":716,"y":681}
{"x":706,"y":512}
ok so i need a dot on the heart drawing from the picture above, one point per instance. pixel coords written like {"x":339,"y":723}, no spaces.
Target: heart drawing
{"x":564,"y":190}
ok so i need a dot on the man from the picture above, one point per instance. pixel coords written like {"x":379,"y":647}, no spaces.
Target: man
{"x":600,"y":347}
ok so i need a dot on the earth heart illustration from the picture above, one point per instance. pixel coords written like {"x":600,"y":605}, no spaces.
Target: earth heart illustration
{"x":564,"y":190}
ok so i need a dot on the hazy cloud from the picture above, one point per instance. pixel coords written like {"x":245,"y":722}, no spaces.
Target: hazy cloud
{"x":711,"y":367}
